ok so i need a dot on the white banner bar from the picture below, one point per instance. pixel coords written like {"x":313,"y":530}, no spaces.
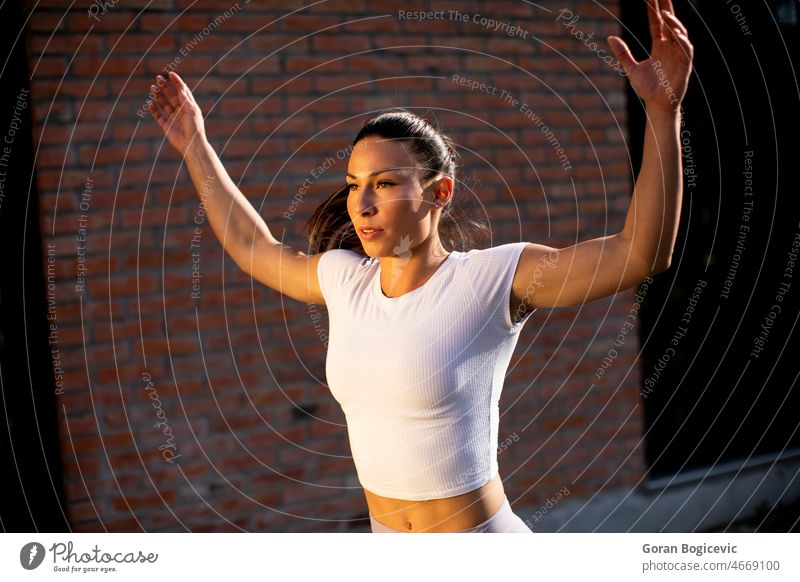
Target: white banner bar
{"x":765,"y":557}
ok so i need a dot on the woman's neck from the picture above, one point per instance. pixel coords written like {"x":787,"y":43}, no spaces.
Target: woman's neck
{"x":410,"y":268}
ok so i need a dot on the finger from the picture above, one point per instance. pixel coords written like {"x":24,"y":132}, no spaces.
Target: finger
{"x":622,"y":52}
{"x":162,"y":99}
{"x":161,"y":83}
{"x":172,"y":95}
{"x":654,"y":19}
{"x":182,"y":88}
{"x":668,"y":6}
{"x":158,"y":91}
{"x":673,"y":22}
{"x":686,"y":45}
{"x":176,"y":78}
{"x":682,"y":42}
{"x":678,"y":35}
{"x":157,"y":115}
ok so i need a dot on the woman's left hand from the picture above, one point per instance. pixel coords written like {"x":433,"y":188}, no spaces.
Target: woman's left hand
{"x":661,"y":80}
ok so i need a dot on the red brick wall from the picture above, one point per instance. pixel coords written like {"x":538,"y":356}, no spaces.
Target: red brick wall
{"x":150,"y":372}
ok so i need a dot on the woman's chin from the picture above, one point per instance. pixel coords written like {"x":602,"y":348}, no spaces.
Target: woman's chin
{"x":372,"y":248}
{"x":377,"y":250}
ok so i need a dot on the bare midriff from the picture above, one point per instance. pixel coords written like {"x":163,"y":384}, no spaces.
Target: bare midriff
{"x":447,"y":514}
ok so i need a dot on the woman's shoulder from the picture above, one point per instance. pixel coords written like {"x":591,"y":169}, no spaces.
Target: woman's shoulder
{"x":347,"y":256}
{"x":494,"y":265}
{"x":494,"y":254}
{"x":343,"y":262}
{"x":338,"y":269}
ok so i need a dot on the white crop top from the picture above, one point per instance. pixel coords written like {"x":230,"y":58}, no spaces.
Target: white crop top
{"x":419,"y":376}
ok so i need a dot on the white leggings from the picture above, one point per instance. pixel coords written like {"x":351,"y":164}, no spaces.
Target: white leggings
{"x":503,"y":521}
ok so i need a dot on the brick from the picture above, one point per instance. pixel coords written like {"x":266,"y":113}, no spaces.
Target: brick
{"x":100,"y":442}
{"x":235,"y":65}
{"x":319,"y":65}
{"x":134,"y":502}
{"x":374,"y":63}
{"x":305,"y":24}
{"x":272,"y":437}
{"x":307,"y":493}
{"x":387,"y":25}
{"x":344,"y":6}
{"x":419,"y":42}
{"x":127,"y":329}
{"x":249,"y":105}
{"x":124,"y":285}
{"x":49,"y":22}
{"x":417,"y":84}
{"x":132,"y":42}
{"x":193,"y":63}
{"x":266,"y":42}
{"x":79,"y":21}
{"x":153,"y":217}
{"x":83,"y":467}
{"x":331,"y":43}
{"x":89,"y":66}
{"x":434,"y":64}
{"x":47,"y":66}
{"x":327,"y":84}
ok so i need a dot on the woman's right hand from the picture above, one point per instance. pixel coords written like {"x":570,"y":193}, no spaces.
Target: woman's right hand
{"x":177,"y":113}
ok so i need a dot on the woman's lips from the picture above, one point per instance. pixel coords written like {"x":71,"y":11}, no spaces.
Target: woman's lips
{"x":370,"y":233}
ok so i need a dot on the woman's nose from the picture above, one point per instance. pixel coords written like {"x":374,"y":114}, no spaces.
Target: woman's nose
{"x":365,"y":205}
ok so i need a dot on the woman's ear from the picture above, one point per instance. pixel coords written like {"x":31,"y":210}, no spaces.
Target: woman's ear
{"x":443,"y":191}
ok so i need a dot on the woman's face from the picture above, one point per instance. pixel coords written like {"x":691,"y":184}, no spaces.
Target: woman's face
{"x":386,"y":195}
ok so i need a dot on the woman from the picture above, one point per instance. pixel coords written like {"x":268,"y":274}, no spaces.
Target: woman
{"x":418,"y":333}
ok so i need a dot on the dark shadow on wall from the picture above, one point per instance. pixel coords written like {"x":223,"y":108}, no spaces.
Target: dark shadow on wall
{"x":32,"y":492}
{"x":719,"y":372}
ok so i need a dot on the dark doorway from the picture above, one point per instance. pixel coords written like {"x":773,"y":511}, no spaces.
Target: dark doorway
{"x":719,"y":364}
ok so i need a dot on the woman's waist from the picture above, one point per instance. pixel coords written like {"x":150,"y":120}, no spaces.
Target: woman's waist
{"x":446,"y":514}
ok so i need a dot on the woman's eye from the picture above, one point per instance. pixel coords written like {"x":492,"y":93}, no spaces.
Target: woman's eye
{"x":381,"y":183}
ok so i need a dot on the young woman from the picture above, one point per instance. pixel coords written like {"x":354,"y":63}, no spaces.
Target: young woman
{"x":421,"y":335}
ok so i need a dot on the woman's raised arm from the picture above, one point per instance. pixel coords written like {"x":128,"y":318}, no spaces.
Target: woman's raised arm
{"x":239,"y":227}
{"x":603,"y":266}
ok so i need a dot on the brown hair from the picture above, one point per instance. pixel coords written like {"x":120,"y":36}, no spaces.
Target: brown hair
{"x":330,"y":226}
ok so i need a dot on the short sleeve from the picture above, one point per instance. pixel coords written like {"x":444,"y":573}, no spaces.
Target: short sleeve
{"x":496,"y":268}
{"x":334,"y":268}
{"x":516,"y":253}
